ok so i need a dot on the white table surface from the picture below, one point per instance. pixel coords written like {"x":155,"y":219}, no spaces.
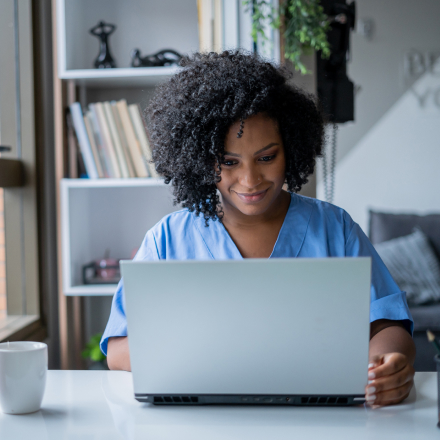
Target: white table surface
{"x":100,"y":405}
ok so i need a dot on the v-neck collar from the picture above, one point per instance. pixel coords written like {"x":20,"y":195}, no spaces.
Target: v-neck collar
{"x":289,"y":241}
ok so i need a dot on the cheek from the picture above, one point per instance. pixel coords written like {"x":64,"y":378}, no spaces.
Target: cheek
{"x":278,"y":171}
{"x":225,"y":182}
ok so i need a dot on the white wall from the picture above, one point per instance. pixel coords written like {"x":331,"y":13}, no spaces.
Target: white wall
{"x":376,"y":65}
{"x":396,"y":166}
{"x":389,"y":158}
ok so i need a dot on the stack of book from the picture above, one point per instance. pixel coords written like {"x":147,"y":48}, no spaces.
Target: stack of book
{"x":113,"y":140}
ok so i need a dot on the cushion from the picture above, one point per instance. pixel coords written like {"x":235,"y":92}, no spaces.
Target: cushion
{"x":384,"y":227}
{"x":414,"y":266}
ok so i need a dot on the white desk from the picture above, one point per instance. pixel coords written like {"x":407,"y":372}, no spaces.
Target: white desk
{"x":80,"y":405}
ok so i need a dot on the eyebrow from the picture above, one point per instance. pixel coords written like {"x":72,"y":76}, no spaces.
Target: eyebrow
{"x":257,"y":152}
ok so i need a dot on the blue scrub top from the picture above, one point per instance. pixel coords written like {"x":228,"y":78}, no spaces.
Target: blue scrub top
{"x":311,"y":228}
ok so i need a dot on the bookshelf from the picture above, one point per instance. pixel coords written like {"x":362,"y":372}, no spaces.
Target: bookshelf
{"x":98,"y":214}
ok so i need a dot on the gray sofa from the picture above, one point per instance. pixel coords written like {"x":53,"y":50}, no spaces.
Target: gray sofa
{"x":384,"y":227}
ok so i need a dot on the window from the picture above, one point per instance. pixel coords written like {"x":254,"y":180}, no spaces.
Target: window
{"x":19,"y":283}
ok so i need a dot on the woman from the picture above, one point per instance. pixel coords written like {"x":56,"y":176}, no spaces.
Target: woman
{"x":229,"y":134}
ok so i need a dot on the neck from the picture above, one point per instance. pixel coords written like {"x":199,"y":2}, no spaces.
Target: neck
{"x":232,"y":217}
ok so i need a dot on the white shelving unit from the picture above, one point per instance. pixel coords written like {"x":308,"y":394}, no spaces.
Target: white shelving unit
{"x":116,"y":213}
{"x":101,"y":214}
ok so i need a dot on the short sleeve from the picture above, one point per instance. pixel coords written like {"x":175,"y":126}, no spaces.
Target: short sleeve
{"x":387,"y":300}
{"x":117,"y":322}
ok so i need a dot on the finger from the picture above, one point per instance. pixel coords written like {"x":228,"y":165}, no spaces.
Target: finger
{"x":390,"y":382}
{"x":390,"y":397}
{"x":392,"y":363}
{"x":375,"y":361}
{"x":394,"y":402}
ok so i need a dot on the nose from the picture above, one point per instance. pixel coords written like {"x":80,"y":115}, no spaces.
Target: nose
{"x":250,"y":177}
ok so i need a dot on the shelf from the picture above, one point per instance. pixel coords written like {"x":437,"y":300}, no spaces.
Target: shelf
{"x":91,"y":290}
{"x":131,"y":76}
{"x":147,"y":25}
{"x":112,"y":183}
{"x":106,"y":215}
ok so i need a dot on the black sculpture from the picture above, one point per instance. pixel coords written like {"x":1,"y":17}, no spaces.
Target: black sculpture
{"x":166,"y":57}
{"x":103,"y":30}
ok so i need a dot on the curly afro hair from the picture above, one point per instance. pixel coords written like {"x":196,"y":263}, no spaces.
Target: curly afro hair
{"x":190,"y":115}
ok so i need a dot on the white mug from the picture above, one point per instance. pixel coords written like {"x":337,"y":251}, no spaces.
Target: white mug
{"x":23,"y":367}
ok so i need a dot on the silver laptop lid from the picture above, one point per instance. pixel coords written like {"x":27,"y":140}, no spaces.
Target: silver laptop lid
{"x":254,"y":326}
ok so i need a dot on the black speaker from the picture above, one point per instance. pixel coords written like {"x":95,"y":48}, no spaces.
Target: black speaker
{"x":335,"y":90}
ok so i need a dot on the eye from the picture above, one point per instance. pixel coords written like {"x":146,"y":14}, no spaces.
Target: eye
{"x":267,"y":158}
{"x":229,"y":163}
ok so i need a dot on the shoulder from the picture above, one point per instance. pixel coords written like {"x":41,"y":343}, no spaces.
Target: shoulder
{"x":323,"y":210}
{"x":174,"y":219}
{"x":176,"y":236}
{"x":174,"y":223}
{"x":323,"y":218}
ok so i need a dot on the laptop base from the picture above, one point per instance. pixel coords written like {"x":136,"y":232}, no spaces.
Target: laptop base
{"x":234,"y":399}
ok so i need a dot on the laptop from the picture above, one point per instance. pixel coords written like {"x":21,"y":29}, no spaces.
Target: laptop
{"x":249,"y":332}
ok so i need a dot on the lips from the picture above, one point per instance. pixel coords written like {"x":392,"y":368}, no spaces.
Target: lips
{"x":252,"y":197}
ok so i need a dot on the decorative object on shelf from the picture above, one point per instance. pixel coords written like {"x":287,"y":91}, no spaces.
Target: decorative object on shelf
{"x":93,"y":353}
{"x":102,"y":271}
{"x":103,"y":30}
{"x":303,"y":24}
{"x":166,"y":57}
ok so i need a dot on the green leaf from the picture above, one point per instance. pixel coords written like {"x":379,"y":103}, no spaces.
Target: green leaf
{"x":305,"y":27}
{"x":92,"y":350}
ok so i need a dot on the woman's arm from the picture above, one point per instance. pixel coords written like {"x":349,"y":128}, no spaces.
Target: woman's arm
{"x":118,"y":357}
{"x":392,"y":354}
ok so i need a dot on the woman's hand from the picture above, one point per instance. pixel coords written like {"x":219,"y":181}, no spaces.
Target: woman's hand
{"x":390,"y":379}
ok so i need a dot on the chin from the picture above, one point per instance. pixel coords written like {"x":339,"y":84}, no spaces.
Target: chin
{"x":253,"y":208}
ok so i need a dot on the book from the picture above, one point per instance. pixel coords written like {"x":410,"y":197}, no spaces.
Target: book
{"x":72,"y":148}
{"x":93,"y":145}
{"x":83,"y":140}
{"x":218,"y":26}
{"x":107,"y":139}
{"x":139,"y":128}
{"x":132,"y":141}
{"x":106,"y":167}
{"x":101,"y":142}
{"x":75,"y":161}
{"x":123,"y":139}
{"x":81,"y":168}
{"x":210,"y":18}
{"x":115,"y":139}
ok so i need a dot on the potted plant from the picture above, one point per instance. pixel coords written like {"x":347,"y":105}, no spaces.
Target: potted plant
{"x":93,"y":353}
{"x":302,"y":23}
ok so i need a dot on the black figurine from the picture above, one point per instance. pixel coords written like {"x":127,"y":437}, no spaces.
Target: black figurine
{"x":103,"y":30}
{"x":166,"y":57}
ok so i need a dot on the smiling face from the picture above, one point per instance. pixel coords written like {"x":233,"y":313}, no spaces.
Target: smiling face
{"x":253,"y":171}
